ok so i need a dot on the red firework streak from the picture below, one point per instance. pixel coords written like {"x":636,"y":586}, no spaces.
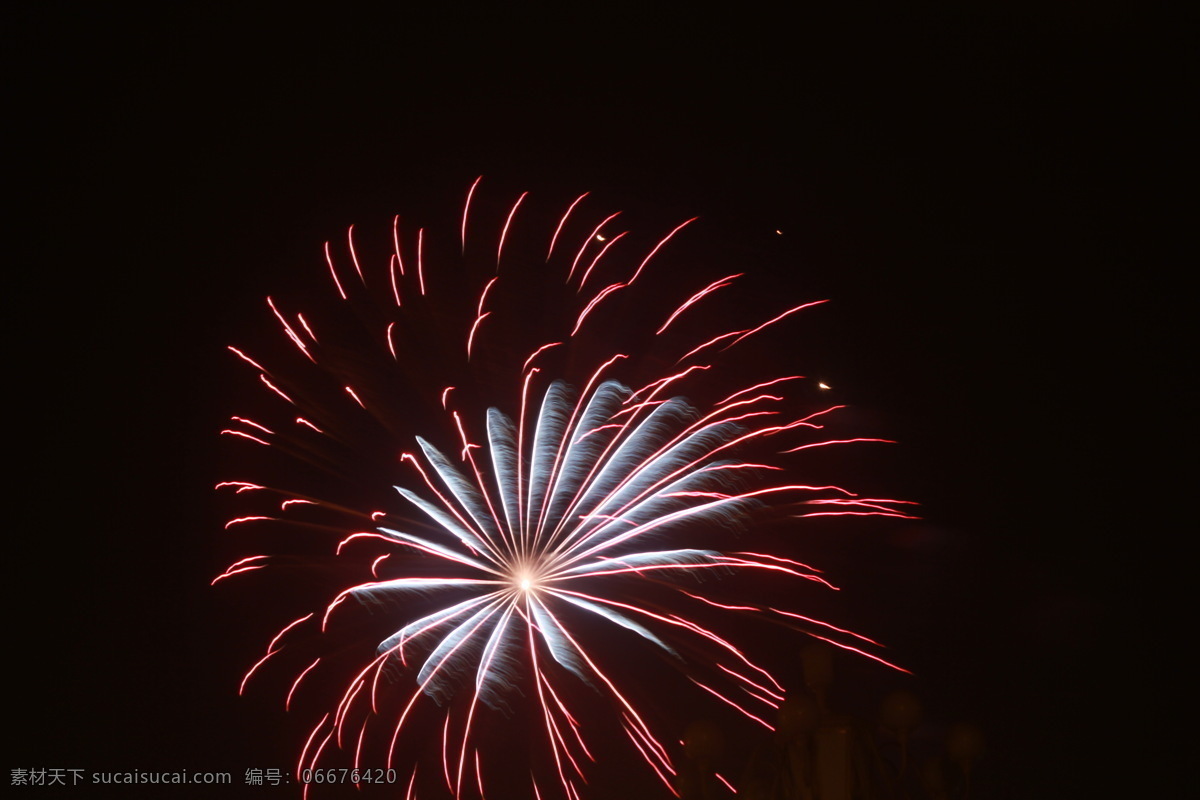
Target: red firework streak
{"x":590,"y":513}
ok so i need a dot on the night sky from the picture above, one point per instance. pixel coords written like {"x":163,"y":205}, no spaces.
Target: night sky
{"x":989,"y":201}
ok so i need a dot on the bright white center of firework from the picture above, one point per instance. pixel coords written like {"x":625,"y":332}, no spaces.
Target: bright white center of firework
{"x":525,"y":579}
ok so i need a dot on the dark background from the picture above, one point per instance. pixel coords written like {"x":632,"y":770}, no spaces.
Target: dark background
{"x":989,"y":199}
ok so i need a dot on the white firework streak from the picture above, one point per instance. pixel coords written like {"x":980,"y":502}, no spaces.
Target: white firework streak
{"x":582,"y":489}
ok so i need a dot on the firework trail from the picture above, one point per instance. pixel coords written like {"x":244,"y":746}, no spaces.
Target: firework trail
{"x":536,"y":519}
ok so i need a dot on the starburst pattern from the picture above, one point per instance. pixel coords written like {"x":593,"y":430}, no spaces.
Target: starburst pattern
{"x":583,"y":511}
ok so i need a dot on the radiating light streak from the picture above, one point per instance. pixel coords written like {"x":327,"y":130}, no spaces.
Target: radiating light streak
{"x":244,"y":435}
{"x":246,"y":358}
{"x":291,"y":333}
{"x":835,"y":441}
{"x":734,"y":705}
{"x":466,"y":208}
{"x":803,"y":618}
{"x":421,"y":260}
{"x":239,"y":567}
{"x":252,"y":424}
{"x":253,"y":669}
{"x":275,"y":389}
{"x":773,"y":320}
{"x":712,"y":287}
{"x":475,"y":327}
{"x":659,"y":246}
{"x":354,"y":255}
{"x":242,"y":486}
{"x":307,"y":329}
{"x":333,"y":272}
{"x":599,"y":255}
{"x":279,"y":636}
{"x":241,"y":520}
{"x":561,"y":223}
{"x":586,"y":242}
{"x":507,"y":222}
{"x":536,"y":353}
{"x":287,"y":703}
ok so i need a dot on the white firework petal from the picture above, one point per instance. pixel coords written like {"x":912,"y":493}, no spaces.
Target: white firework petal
{"x":549,"y":434}
{"x":464,"y":637}
{"x":502,"y":440}
{"x":714,"y":508}
{"x":466,"y":492}
{"x":665,"y":500}
{"x":557,"y":642}
{"x":613,"y":616}
{"x":418,"y":627}
{"x":370,"y":590}
{"x":630,"y":454}
{"x":578,"y":453}
{"x":496,"y":662}
{"x":640,"y":496}
{"x":633,"y":561}
{"x":445,"y":520}
{"x":442,"y":550}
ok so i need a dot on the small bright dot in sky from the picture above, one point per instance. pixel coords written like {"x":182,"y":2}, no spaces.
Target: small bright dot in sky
{"x":822,"y":385}
{"x":600,"y":237}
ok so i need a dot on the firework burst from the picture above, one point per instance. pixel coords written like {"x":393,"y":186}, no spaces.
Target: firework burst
{"x":596,"y":508}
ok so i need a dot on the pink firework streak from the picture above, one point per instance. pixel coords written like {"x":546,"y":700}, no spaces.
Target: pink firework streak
{"x":530,"y":564}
